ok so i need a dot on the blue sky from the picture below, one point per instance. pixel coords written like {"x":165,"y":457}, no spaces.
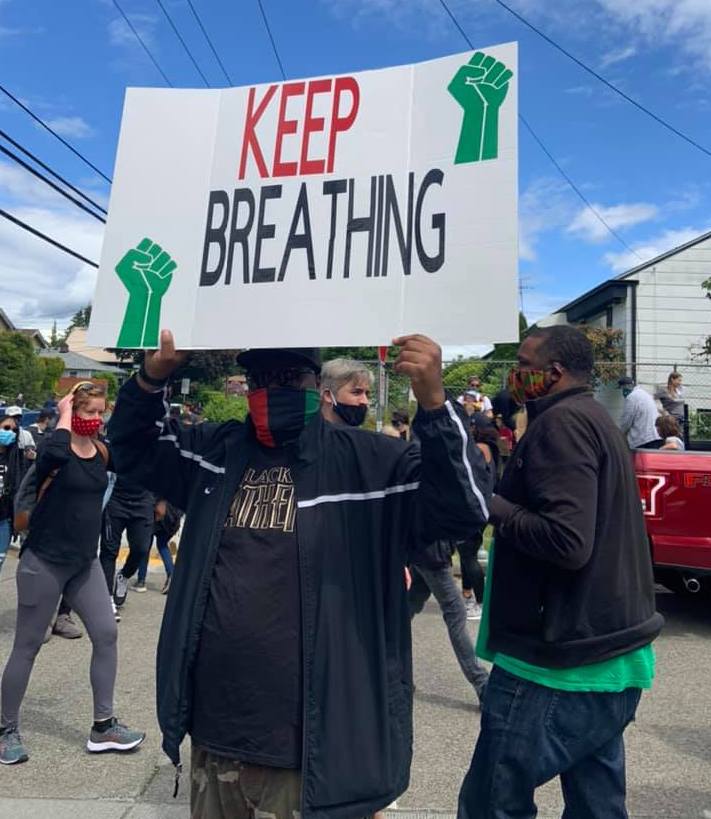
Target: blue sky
{"x":71,"y":62}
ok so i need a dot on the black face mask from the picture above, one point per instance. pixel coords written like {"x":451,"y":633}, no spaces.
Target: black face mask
{"x":351,"y":414}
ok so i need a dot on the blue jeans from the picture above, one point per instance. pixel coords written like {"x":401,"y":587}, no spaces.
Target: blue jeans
{"x":163,"y":546}
{"x":4,"y":539}
{"x":531,"y":734}
{"x":441,"y":583}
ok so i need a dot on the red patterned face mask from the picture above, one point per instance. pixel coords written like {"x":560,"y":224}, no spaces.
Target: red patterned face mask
{"x":525,"y":385}
{"x":86,"y":426}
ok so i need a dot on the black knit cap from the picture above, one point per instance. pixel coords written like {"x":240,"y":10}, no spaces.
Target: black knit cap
{"x":280,"y":358}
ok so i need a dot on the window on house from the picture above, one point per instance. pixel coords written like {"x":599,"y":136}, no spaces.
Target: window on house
{"x":608,"y":317}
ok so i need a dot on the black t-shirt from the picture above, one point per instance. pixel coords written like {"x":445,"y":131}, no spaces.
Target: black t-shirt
{"x":247,"y":699}
{"x":66,"y":523}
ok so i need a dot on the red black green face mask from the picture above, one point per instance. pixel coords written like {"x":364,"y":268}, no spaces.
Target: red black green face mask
{"x":279,"y":414}
{"x":525,"y":385}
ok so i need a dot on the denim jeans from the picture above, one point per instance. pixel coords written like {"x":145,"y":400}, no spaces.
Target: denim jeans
{"x":4,"y":539}
{"x":163,"y":546}
{"x":531,"y":734}
{"x":441,"y":583}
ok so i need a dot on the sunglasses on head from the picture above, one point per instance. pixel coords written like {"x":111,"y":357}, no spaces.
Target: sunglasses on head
{"x":83,"y":386}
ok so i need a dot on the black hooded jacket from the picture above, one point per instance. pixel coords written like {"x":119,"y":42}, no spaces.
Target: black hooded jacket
{"x":363,"y":501}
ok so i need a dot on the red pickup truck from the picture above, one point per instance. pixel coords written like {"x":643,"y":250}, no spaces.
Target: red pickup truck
{"x":676,"y":497}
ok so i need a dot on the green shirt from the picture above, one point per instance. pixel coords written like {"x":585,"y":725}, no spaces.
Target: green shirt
{"x":632,"y":670}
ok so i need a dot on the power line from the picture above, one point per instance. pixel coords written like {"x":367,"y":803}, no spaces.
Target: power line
{"x":46,"y":238}
{"x":64,"y":142}
{"x":271,"y":38}
{"x":140,"y":40}
{"x":182,"y":42}
{"x":545,"y":150}
{"x":602,"y":79}
{"x":51,"y":184}
{"x":39,"y":162}
{"x":209,"y":42}
{"x":577,"y":190}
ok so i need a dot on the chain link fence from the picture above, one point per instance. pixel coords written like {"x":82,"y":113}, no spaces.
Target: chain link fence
{"x":652,"y":376}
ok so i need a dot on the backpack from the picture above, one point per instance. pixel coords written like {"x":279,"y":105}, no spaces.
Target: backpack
{"x":28,"y":495}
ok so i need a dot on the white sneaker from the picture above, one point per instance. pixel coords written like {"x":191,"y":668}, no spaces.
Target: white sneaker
{"x":473,"y":608}
{"x":120,"y":590}
{"x":117,"y":616}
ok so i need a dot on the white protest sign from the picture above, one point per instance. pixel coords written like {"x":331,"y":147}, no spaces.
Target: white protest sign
{"x":331,"y":211}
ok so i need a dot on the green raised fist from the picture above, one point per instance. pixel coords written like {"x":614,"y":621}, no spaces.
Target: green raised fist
{"x":480,"y":87}
{"x":146,"y":271}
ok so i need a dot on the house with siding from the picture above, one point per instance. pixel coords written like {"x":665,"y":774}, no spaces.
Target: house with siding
{"x":665,"y":315}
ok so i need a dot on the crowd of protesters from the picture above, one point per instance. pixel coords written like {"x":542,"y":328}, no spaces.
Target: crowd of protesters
{"x":308,"y":545}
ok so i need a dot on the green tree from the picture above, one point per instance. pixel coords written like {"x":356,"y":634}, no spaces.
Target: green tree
{"x":219,"y":408}
{"x":54,"y":341}
{"x":705,"y":350}
{"x":357,"y":353}
{"x":20,"y":371}
{"x":608,"y":352}
{"x":52,"y":370}
{"x":111,"y":383}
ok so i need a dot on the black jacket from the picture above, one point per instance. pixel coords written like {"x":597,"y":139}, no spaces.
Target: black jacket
{"x":572,"y":581}
{"x":362,"y":499}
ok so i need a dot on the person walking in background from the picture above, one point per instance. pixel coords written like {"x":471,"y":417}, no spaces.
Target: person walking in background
{"x":130,"y":509}
{"x":670,"y":433}
{"x":432,"y":574}
{"x":59,"y":558}
{"x":400,"y":421}
{"x":166,"y":526}
{"x":42,"y":426}
{"x":569,"y":612}
{"x":13,"y":465}
{"x":639,"y":416}
{"x":672,"y":398}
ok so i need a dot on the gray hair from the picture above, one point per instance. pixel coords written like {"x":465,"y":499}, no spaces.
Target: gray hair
{"x":341,"y":371}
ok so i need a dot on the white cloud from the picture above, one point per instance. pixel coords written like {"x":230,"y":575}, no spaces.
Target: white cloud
{"x":581,"y":90}
{"x":651,"y":248}
{"x":587,"y":226}
{"x":71,"y":127}
{"x":544,"y":205}
{"x":617,"y":55}
{"x":120,"y":33}
{"x":41,"y":283}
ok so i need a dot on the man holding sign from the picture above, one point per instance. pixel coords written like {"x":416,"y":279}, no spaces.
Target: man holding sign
{"x":285,"y":647}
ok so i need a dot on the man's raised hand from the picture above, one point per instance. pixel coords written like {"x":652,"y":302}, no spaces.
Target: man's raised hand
{"x":160,"y":364}
{"x":420,"y":359}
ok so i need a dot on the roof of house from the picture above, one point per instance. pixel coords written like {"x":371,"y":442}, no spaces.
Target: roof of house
{"x":4,"y":319}
{"x":663,"y":256}
{"x":76,"y":342}
{"x":35,"y":334}
{"x":75,"y":361}
{"x":612,"y":290}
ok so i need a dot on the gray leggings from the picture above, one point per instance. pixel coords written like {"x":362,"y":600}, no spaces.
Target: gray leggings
{"x":40,"y":586}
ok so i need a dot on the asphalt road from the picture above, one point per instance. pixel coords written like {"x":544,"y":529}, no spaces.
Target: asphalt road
{"x":669,"y":747}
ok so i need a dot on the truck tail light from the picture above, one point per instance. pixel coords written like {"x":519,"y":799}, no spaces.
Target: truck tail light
{"x":649,"y":486}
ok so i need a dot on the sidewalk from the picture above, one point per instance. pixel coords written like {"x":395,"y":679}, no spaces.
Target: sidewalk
{"x":669,"y":763}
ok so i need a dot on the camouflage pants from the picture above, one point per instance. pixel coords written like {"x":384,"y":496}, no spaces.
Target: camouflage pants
{"x":223,"y":788}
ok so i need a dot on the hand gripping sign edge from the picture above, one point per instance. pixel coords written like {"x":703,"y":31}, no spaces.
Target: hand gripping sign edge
{"x":146,"y":271}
